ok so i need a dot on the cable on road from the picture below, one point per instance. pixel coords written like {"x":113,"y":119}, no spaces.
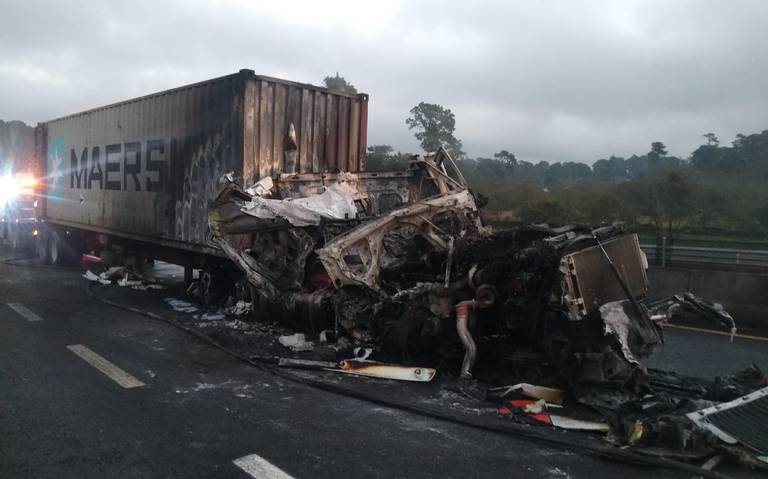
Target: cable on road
{"x":509,"y":429}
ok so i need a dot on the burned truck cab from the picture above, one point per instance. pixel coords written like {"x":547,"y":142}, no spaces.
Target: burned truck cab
{"x":402,"y":263}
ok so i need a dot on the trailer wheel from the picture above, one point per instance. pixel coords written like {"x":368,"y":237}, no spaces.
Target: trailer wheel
{"x":62,"y":249}
{"x":14,"y":240}
{"x":55,"y":252}
{"x":41,"y":245}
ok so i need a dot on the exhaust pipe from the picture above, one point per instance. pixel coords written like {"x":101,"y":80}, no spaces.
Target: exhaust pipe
{"x":463,"y":310}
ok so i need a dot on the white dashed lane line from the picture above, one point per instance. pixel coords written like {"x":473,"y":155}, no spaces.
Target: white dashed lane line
{"x":110,"y":370}
{"x":258,"y":467}
{"x":24,"y":311}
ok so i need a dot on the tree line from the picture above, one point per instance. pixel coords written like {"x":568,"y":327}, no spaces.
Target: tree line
{"x":716,"y":189}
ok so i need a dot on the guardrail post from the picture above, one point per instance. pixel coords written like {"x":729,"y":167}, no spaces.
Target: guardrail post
{"x":663,"y":251}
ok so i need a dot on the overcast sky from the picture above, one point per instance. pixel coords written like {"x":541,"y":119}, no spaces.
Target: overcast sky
{"x":548,"y":80}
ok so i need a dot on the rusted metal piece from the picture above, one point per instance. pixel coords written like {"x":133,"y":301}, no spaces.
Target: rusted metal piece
{"x":587,"y":275}
{"x":463,"y":311}
{"x":354,"y":258}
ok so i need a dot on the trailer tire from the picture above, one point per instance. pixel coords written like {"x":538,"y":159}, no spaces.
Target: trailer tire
{"x":62,"y":249}
{"x":13,"y":238}
{"x":41,"y":246}
{"x":56,"y":252}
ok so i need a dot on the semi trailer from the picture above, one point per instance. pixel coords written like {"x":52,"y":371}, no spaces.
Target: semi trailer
{"x":137,"y":176}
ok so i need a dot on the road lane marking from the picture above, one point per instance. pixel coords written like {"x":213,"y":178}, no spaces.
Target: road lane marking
{"x":260,"y":468}
{"x":110,"y":370}
{"x":712,"y":331}
{"x":24,"y":311}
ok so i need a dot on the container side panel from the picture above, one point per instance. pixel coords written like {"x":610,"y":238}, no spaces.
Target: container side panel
{"x":342,"y":135}
{"x":250,"y":158}
{"x":266,"y":125}
{"x":307,"y":112}
{"x":279,"y":128}
{"x":331,"y":131}
{"x":294,"y":118}
{"x":354,"y":137}
{"x":363,"y":143}
{"x":329,"y":127}
{"x":146,"y":167}
{"x":319,"y":162}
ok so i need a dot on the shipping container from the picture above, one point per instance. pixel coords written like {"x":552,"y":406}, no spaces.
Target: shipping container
{"x":145,"y":169}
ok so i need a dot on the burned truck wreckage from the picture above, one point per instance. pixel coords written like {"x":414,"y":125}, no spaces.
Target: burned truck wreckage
{"x":402,"y":263}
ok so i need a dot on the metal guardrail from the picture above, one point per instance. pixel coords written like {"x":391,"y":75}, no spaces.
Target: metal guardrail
{"x":734,"y":258}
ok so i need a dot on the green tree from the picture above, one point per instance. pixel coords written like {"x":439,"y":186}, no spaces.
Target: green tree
{"x":709,"y":205}
{"x":712,"y":139}
{"x":338,"y":83}
{"x":384,"y":158}
{"x":507,"y":159}
{"x":658,"y":151}
{"x":434,"y":127}
{"x":610,"y":169}
{"x":761,"y":216}
{"x":543,"y":210}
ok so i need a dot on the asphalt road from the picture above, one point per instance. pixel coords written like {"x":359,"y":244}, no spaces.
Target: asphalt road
{"x":707,"y":355}
{"x":192,"y":411}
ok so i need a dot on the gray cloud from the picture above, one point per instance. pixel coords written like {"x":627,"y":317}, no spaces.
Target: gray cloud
{"x":556,"y":81}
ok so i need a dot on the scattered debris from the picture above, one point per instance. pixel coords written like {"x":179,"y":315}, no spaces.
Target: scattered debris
{"x":122,"y":277}
{"x":90,"y":276}
{"x":181,"y":306}
{"x":262,"y":187}
{"x":550,"y":395}
{"x":743,"y":420}
{"x":240,"y":308}
{"x":539,"y":411}
{"x":687,"y":303}
{"x":297,"y":342}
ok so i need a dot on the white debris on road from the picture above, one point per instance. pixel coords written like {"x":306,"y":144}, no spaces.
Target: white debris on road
{"x":123,"y":278}
{"x":181,"y":306}
{"x":297,"y":342}
{"x":240,"y":309}
{"x":90,"y":276}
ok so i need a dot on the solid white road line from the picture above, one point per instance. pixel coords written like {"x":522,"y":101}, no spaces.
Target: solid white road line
{"x":260,"y":468}
{"x":24,"y":311}
{"x":113,"y":372}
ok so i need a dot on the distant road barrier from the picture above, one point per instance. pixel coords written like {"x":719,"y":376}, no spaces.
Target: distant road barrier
{"x":688,"y":255}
